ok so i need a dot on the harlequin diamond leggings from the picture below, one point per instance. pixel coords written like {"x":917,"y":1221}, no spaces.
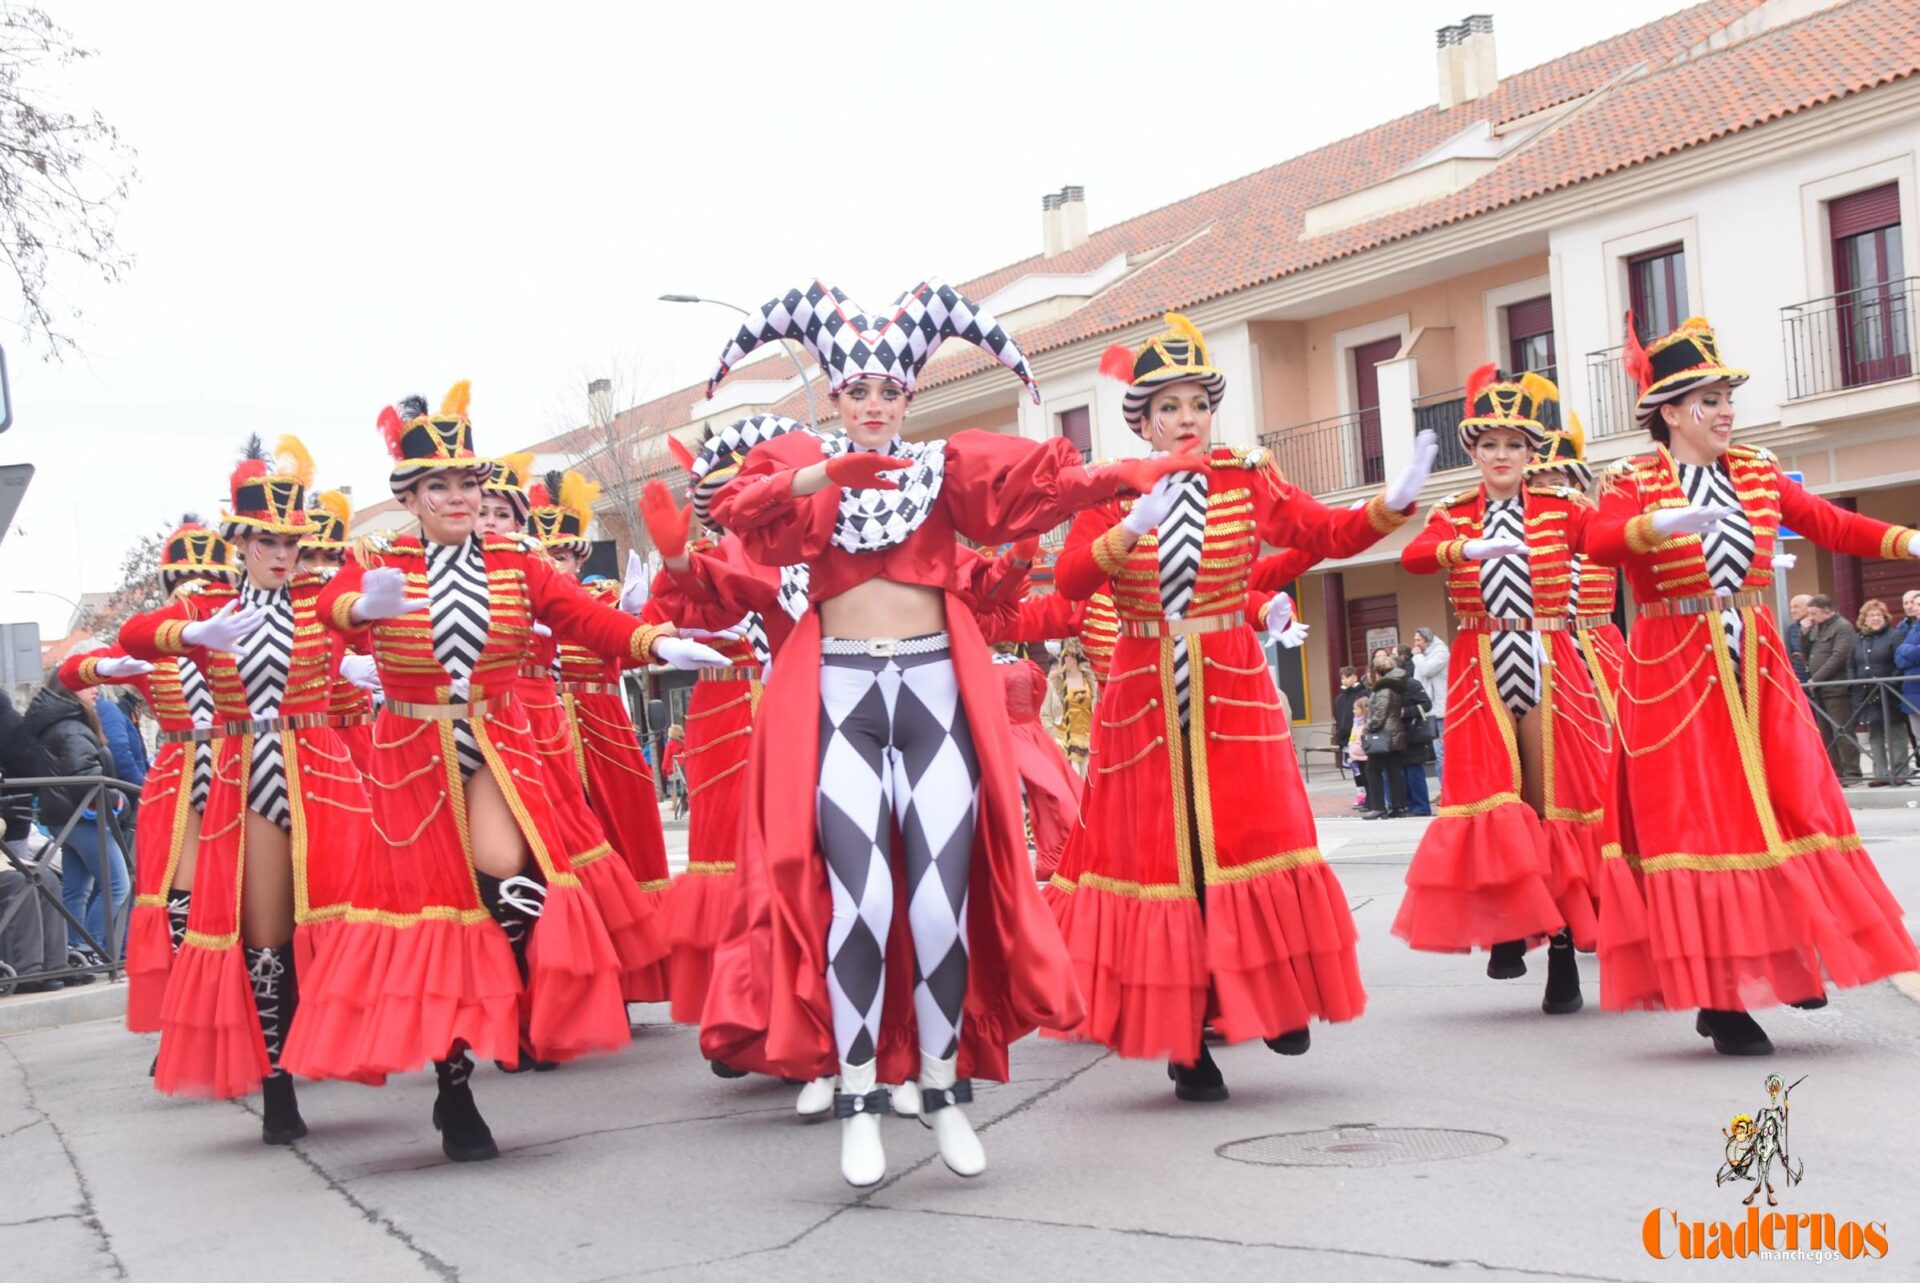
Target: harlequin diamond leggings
{"x":895,"y":749}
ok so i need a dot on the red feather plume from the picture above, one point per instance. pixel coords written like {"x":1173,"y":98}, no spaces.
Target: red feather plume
{"x":249,"y":470}
{"x":1477,"y":382}
{"x":392,"y":428}
{"x":1633,"y":357}
{"x":1117,"y":363}
{"x":680,"y":453}
{"x":538,"y":497}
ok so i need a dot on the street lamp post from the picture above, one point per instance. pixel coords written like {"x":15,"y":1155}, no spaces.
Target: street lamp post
{"x":813,"y":419}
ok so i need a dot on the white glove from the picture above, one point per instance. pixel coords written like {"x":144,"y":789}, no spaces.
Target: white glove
{"x":678,"y":652}
{"x":637,"y":586}
{"x":1701,"y":520}
{"x":362,"y":671}
{"x":1483,"y":549}
{"x":734,"y":633}
{"x":128,"y":666}
{"x":1413,"y":478}
{"x":1053,"y":648}
{"x":1151,"y":508}
{"x":1282,"y":626}
{"x":541,"y":630}
{"x":226,"y":630}
{"x":1785,"y":560}
{"x":383,"y":595}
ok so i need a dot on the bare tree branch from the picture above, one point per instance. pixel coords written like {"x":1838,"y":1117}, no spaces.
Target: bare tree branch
{"x":62,"y":177}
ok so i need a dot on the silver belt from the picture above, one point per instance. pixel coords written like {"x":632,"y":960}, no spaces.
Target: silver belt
{"x":884,"y":647}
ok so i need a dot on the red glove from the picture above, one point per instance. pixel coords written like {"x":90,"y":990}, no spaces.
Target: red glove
{"x":1026,"y":550}
{"x":667,"y":521}
{"x":861,"y":471}
{"x":1139,"y":475}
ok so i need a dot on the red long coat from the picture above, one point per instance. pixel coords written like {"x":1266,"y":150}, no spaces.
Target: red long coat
{"x":1488,"y":869}
{"x":620,"y":789}
{"x":1602,"y":644}
{"x":160,"y":838}
{"x":1738,"y":878}
{"x":210,"y":1040}
{"x":417,"y":964}
{"x":1275,"y":944}
{"x":1052,"y":786}
{"x":769,"y":996}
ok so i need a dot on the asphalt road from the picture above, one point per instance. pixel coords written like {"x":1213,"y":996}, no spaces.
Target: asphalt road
{"x":1452,"y":1130}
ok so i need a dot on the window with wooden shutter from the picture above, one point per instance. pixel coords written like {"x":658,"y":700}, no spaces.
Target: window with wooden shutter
{"x":1530,"y":336}
{"x":1076,"y":425}
{"x":1871,"y":301}
{"x":1657,"y":289}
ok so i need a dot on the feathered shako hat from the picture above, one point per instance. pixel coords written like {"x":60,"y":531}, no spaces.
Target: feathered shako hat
{"x":1494,"y":402}
{"x":511,"y":475}
{"x":421,"y":443}
{"x":721,"y":454}
{"x":194,"y":551}
{"x":1674,"y":364}
{"x":561,"y":509}
{"x":268,"y":495}
{"x":1177,"y":354}
{"x":1565,"y":451}
{"x":850,"y":345}
{"x":329,"y":517}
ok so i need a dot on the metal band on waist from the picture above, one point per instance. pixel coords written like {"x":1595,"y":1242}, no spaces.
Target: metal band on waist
{"x":884,"y":647}
{"x":1183,"y":627}
{"x":591,"y":688}
{"x":1705,"y":604}
{"x":449,"y":712}
{"x":744,"y":673}
{"x":536,"y":673}
{"x":1504,"y":624}
{"x":266,"y":725}
{"x":1587,"y":623}
{"x":198,"y":735}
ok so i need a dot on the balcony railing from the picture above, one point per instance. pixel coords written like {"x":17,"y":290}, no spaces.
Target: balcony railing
{"x":1340,"y":453}
{"x":1442,"y":412}
{"x":1849,"y":340}
{"x":1613,"y":394}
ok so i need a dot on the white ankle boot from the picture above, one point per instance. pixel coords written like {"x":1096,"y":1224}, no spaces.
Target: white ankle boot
{"x":862,"y":1159}
{"x":959,"y":1147}
{"x":906,"y":1099}
{"x":816,"y":1098}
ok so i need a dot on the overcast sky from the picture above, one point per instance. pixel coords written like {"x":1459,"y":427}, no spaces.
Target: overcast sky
{"x":340,"y":204}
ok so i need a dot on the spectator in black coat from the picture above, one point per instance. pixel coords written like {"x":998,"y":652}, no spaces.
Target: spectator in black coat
{"x":34,"y":938}
{"x":1350,"y":690}
{"x":63,"y":726}
{"x":1879,"y":702}
{"x":1386,"y":738}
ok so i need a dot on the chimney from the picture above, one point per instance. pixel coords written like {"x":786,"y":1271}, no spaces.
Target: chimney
{"x":1063,"y":220}
{"x":1468,"y":71}
{"x":600,"y":402}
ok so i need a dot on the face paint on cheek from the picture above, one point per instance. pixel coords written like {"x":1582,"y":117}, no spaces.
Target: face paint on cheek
{"x":1694,"y":409}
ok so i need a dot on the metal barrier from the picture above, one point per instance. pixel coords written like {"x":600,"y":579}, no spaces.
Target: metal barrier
{"x":1611,"y":394}
{"x":1341,"y":453}
{"x":1864,"y":698}
{"x":99,"y":799}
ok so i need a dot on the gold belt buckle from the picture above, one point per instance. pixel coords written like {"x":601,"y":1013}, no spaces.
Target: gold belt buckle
{"x":882,"y":647}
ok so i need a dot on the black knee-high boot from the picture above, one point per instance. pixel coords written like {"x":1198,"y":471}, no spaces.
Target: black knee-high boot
{"x":464,"y":1134}
{"x":515,"y":908}
{"x":178,"y":904}
{"x":1563,"y":977}
{"x":275,"y":994}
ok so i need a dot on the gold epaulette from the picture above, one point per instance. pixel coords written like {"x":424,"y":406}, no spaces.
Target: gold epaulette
{"x":192,"y":588}
{"x":1758,"y":453}
{"x":375,"y":543}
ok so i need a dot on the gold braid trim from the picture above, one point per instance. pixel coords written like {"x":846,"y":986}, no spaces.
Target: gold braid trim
{"x":1897,"y":542}
{"x":1110,"y":550}
{"x":341,"y":617}
{"x":168,"y":638}
{"x":645,"y":636}
{"x":1451,"y":553}
{"x":1383,"y":519}
{"x":1641,"y":538}
{"x":90,"y":672}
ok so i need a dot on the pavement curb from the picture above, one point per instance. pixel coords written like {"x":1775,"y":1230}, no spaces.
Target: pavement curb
{"x":69,"y":1006}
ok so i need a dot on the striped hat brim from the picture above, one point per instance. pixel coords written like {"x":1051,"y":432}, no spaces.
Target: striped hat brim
{"x":1133,"y":407}
{"x":1471,"y":430}
{"x":409,"y":474}
{"x":1675,"y":386}
{"x":1578,"y":469}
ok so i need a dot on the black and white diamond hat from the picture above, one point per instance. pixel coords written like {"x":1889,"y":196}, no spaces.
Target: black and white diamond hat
{"x":849,"y":345}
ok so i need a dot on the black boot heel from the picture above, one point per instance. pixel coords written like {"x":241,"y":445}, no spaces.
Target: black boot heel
{"x":280,"y":1123}
{"x":1563,"y":978}
{"x":1200,"y":1083}
{"x":464,"y":1135}
{"x":1294,"y":1042}
{"x":1507,"y":960}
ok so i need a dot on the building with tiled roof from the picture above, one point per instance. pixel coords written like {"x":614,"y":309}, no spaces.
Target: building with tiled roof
{"x":1752,"y":160}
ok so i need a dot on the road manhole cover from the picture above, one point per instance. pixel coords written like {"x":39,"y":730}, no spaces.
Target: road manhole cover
{"x":1360,"y":1145}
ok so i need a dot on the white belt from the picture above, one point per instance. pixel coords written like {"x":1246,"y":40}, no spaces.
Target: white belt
{"x":884,"y":647}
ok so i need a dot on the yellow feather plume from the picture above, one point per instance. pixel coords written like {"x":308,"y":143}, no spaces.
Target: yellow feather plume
{"x":337,"y":505}
{"x":1577,"y":434}
{"x":1186,"y":329}
{"x":577,"y":495}
{"x":454,"y":404}
{"x":520,"y":465}
{"x":1539,"y":387}
{"x":290,"y":459}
